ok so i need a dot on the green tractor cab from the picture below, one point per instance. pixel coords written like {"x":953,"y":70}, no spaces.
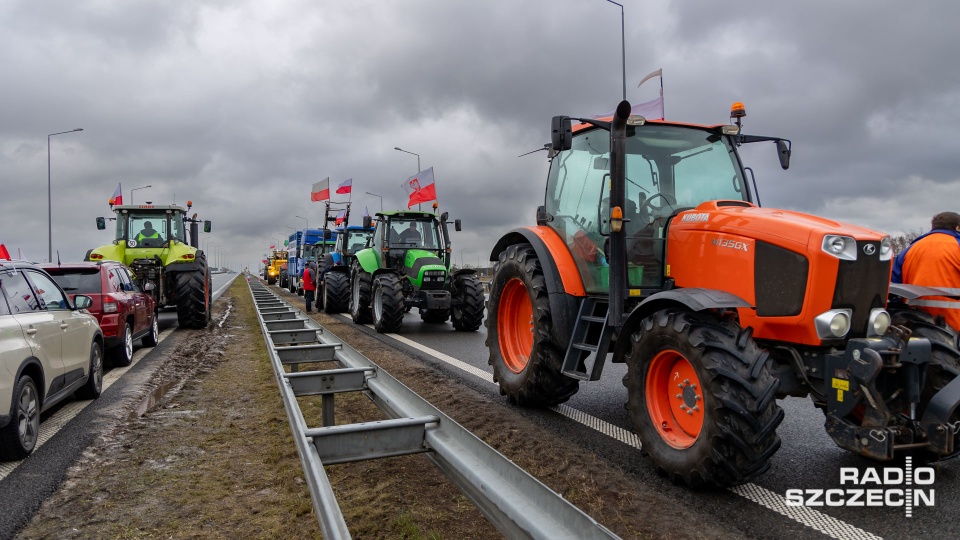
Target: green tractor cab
{"x":153,"y":241}
{"x":407,"y":265}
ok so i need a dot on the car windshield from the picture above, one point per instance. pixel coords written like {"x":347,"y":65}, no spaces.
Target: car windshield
{"x":77,"y":280}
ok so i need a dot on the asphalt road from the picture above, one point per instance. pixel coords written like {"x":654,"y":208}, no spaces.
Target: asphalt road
{"x":68,"y":429}
{"x":808,"y":458}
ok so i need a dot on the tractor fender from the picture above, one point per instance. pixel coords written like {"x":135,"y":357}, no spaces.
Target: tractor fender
{"x":564,"y":304}
{"x":464,"y":272}
{"x":692,"y":299}
{"x":339,"y":268}
{"x":368,"y":260}
{"x":912,"y":292}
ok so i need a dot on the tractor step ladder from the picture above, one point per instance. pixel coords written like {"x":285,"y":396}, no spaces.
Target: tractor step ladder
{"x":590,"y":341}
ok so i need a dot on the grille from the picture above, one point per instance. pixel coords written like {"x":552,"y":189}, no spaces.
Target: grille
{"x":861,"y":286}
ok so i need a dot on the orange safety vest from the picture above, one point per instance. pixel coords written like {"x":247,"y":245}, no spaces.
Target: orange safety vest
{"x":934,"y":261}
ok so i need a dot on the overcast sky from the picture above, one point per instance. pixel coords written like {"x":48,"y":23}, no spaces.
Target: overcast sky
{"x":240,"y":106}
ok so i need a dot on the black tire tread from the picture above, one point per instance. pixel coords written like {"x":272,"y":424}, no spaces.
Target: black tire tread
{"x":360,"y":313}
{"x":391,"y":294}
{"x":542,"y":383}
{"x":468,"y":316}
{"x":336,"y":292}
{"x":192,"y":310}
{"x":739,"y":435}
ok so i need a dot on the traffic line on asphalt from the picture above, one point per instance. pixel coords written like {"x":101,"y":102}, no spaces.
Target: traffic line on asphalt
{"x":53,"y":425}
{"x":808,"y":517}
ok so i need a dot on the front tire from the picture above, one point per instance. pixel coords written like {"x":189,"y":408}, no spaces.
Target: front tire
{"x":467,"y":312}
{"x":526,"y":359}
{"x":702,"y":399}
{"x":387,"y":303}
{"x":360,"y":284}
{"x":336,"y":292}
{"x":19,"y":437}
{"x":94,"y":385}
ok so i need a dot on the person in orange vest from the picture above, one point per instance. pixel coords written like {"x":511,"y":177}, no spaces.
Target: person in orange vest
{"x":309,"y":283}
{"x":933,"y":260}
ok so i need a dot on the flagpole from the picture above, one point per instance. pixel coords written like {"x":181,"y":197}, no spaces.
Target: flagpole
{"x":663,"y":109}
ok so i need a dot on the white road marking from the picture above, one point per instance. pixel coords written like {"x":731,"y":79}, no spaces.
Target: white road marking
{"x":808,"y":517}
{"x":52,"y":425}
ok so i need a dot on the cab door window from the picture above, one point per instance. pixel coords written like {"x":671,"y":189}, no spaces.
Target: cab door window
{"x":19,"y":295}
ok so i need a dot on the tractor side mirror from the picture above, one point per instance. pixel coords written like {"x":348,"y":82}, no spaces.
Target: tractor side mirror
{"x":101,"y":223}
{"x":457,"y":225}
{"x":561,"y":136}
{"x":783,"y":152}
{"x":367,"y":222}
{"x":206,"y":226}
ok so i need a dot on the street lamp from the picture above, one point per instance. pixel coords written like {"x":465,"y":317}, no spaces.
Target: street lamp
{"x":418,"y":162}
{"x":50,"y":197}
{"x":134,"y":189}
{"x":306,"y":223}
{"x":381,"y":198}
{"x":408,"y":152}
{"x":623,"y":49}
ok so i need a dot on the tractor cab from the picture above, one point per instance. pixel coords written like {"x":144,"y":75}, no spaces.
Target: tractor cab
{"x":403,"y":235}
{"x":669,"y":168}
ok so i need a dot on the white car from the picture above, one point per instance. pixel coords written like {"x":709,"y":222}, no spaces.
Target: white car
{"x":50,"y":349}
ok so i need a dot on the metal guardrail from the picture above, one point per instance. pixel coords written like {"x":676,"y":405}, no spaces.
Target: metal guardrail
{"x":518,"y":504}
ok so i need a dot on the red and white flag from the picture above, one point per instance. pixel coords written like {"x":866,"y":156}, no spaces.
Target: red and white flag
{"x":272,"y":246}
{"x":345,"y":187}
{"x":321,"y":190}
{"x":340,"y":217}
{"x":4,"y":254}
{"x":117,"y":196}
{"x":420,"y":188}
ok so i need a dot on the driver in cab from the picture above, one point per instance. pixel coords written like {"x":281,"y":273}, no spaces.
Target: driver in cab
{"x":410,"y":235}
{"x":148,"y":236}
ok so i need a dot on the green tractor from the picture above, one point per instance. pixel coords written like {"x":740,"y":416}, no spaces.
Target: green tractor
{"x":407,"y":265}
{"x":152,"y":241}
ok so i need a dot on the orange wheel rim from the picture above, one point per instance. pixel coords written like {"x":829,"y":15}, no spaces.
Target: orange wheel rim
{"x":675,"y":399}
{"x":515,"y":325}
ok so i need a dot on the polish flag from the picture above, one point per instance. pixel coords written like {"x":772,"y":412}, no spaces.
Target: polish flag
{"x":345,"y":187}
{"x":272,"y":246}
{"x":117,"y":196}
{"x":420,"y":188}
{"x":340,"y":217}
{"x":321,"y":190}
{"x":4,"y":254}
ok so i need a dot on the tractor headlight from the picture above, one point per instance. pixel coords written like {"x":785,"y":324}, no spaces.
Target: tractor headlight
{"x":879,"y":322}
{"x":886,"y":249}
{"x":833,"y":324}
{"x":841,"y":247}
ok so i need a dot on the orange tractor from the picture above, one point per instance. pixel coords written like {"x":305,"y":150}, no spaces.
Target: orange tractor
{"x":652,"y":247}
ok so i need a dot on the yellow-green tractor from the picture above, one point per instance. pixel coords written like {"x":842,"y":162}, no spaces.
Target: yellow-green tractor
{"x":152,"y":240}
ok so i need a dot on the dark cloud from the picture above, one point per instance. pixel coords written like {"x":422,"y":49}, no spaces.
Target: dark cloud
{"x":241,"y":106}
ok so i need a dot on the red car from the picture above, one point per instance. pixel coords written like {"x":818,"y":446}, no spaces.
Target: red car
{"x":124,"y":310}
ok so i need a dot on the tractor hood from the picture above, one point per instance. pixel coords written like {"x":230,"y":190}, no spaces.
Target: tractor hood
{"x":177,"y":252}
{"x":768,"y":224}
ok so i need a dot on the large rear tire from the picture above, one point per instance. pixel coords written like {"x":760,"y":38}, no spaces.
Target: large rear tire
{"x":193,"y":296}
{"x":526,"y":360}
{"x":467,"y":312}
{"x":336,"y":292}
{"x":360,"y":283}
{"x":702,"y":398}
{"x":387,"y":303}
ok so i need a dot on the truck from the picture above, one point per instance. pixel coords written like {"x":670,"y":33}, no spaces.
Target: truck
{"x":651,"y":249}
{"x":310,"y":238}
{"x":294,"y":261}
{"x":153,"y":241}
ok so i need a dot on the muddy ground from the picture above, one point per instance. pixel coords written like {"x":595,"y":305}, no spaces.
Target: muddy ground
{"x":214,"y":457}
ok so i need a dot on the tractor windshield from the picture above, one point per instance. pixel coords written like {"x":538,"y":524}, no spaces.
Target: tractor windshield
{"x":151,"y":230}
{"x":668,"y":169}
{"x":408,"y":233}
{"x":356,"y":240}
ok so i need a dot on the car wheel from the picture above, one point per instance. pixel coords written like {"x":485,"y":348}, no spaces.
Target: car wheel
{"x":123,"y":353}
{"x":19,"y":437}
{"x":94,"y":385}
{"x":151,"y":339}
